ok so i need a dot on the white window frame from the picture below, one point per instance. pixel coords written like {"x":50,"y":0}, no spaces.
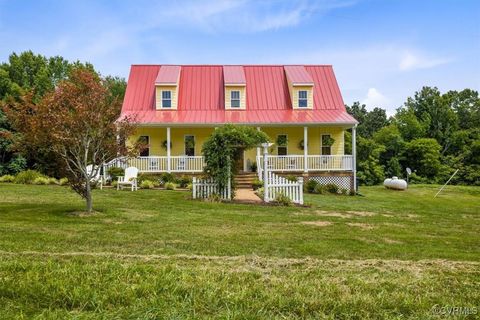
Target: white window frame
{"x":286,"y":146}
{"x":170,"y":91}
{"x":232,"y":99}
{"x":321,"y":144}
{"x":303,"y":99}
{"x":184,"y":144}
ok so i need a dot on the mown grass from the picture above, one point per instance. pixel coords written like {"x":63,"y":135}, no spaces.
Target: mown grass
{"x":156,"y":254}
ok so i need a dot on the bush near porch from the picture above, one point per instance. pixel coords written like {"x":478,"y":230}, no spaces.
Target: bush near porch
{"x":154,"y":254}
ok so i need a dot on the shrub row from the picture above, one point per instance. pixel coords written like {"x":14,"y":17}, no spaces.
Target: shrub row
{"x":313,"y":186}
{"x":32,"y":177}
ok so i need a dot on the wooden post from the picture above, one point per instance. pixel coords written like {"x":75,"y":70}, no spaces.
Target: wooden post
{"x":169,"y":169}
{"x":194,"y":187}
{"x":305,"y":149}
{"x":354,"y":158}
{"x":265,"y":174}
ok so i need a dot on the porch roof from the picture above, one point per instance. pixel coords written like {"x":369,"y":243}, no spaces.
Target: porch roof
{"x":256,"y":117}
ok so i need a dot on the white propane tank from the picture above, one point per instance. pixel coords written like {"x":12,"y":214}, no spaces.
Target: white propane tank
{"x":395,"y":183}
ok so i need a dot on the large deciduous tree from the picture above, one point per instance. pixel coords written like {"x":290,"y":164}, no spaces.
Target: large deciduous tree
{"x":78,"y":123}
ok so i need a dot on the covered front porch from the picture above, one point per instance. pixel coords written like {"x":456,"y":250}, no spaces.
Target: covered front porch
{"x":296,"y":149}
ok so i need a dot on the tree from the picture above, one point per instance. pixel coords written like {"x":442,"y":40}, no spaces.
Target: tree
{"x":394,"y":144}
{"x":423,"y":156}
{"x":224,"y":147}
{"x":370,"y":171}
{"x":78,"y":123}
{"x":369,"y":121}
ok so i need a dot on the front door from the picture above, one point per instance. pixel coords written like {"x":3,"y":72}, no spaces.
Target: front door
{"x":240,"y":160}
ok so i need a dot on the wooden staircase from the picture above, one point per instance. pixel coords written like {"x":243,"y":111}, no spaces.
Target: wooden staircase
{"x":244,"y":180}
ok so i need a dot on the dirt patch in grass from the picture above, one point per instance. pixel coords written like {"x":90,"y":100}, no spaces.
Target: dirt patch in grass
{"x":82,"y":214}
{"x":362,"y":213}
{"x":363,"y":226}
{"x":317,"y":223}
{"x":391,"y":241}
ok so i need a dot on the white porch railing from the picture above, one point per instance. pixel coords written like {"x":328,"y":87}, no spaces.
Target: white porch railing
{"x":314,"y":163}
{"x":155,"y":164}
{"x":204,"y":188}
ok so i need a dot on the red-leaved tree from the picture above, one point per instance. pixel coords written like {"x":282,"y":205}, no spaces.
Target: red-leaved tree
{"x":78,"y":122}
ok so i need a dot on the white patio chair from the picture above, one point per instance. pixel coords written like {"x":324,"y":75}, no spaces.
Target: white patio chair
{"x":97,"y":179}
{"x":130,"y":179}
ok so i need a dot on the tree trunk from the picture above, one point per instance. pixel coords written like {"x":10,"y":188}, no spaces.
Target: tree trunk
{"x":88,"y":198}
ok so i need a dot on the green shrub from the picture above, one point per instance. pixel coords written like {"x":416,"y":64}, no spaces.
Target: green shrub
{"x":257,"y":184}
{"x":147,"y":184}
{"x":214,"y":197}
{"x":27,"y":177}
{"x":320,"y":189}
{"x":183,"y":181}
{"x":7,"y":178}
{"x":115,"y":172}
{"x":310,"y":185}
{"x":52,"y":181}
{"x":283,"y":200}
{"x":41,"y":181}
{"x":63,"y":181}
{"x":344,"y":191}
{"x":332,"y":188}
{"x":154,"y":178}
{"x":190,"y":186}
{"x":254,"y":166}
{"x":167,"y":177}
{"x":170,"y":186}
{"x":291,"y":178}
{"x":114,"y":183}
{"x":260,"y":192}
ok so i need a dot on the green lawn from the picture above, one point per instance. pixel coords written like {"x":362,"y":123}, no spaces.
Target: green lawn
{"x":156,"y":254}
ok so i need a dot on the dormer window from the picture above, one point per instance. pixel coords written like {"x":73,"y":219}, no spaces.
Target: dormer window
{"x":166,"y":99}
{"x":302,"y":99}
{"x":235,"y":99}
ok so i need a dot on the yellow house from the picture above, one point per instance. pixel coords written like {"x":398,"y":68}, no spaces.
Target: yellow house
{"x":299,"y":107}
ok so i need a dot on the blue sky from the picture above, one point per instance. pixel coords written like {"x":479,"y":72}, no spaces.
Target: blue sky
{"x":382,"y":51}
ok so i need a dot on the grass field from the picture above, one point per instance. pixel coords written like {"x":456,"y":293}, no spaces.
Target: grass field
{"x":156,"y":254}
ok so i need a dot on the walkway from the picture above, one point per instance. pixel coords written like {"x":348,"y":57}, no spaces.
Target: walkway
{"x":247,"y":195}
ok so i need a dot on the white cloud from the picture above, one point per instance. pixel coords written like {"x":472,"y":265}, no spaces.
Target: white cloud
{"x":242,"y":16}
{"x":411,"y":61}
{"x":375,"y":98}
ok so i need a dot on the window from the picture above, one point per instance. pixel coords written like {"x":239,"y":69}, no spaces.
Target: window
{"x":235,"y":99}
{"x":166,"y":99}
{"x":190,"y":146}
{"x":144,"y":142}
{"x":302,"y":99}
{"x":282,"y":144}
{"x":326,"y":145}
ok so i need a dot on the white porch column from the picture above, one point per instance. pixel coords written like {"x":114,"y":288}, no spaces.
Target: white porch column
{"x":305,"y":149}
{"x":258,"y":149}
{"x":169,"y":169}
{"x":354,"y":157}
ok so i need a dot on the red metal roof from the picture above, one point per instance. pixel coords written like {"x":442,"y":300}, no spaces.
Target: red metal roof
{"x":234,"y":75}
{"x":201,"y":97}
{"x":297,"y":75}
{"x":168,"y":75}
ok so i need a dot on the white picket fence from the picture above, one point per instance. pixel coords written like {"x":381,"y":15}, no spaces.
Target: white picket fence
{"x":279,"y":185}
{"x":204,"y":188}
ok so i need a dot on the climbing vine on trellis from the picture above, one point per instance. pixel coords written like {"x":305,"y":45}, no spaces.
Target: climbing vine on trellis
{"x":223,"y":148}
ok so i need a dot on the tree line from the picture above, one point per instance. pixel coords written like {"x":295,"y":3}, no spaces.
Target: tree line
{"x":433,"y":134}
{"x":36,"y":75}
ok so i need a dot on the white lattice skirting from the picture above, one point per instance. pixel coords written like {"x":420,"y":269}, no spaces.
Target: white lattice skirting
{"x":343,"y":182}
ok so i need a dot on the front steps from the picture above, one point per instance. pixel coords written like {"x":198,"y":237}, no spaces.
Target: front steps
{"x":244,"y":180}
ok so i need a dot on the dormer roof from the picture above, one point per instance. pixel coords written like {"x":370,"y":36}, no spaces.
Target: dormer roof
{"x":234,"y":76}
{"x":298,"y":76}
{"x":168,"y":75}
